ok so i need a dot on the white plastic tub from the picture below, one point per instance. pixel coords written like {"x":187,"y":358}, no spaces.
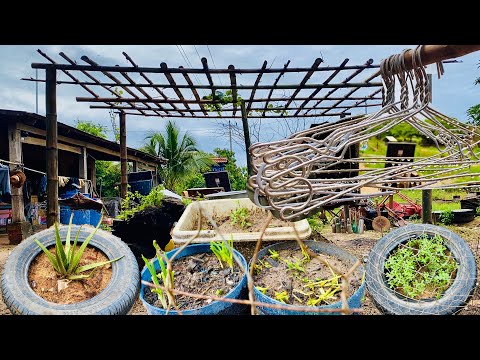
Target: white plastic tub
{"x":185,"y":228}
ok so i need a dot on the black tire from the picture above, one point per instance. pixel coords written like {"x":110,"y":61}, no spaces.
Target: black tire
{"x":116,"y":299}
{"x":454,"y":298}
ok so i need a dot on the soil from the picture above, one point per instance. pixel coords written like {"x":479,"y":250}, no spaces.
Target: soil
{"x":277,"y":277}
{"x":358,"y":245}
{"x":48,"y":284}
{"x":257,"y":218}
{"x":199,"y":274}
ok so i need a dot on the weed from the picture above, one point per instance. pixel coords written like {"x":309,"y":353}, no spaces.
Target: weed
{"x":423,"y":267}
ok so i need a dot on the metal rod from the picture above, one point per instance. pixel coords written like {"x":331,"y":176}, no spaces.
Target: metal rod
{"x":51,"y":145}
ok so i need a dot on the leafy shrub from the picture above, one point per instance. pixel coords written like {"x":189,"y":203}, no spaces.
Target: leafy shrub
{"x":423,"y":267}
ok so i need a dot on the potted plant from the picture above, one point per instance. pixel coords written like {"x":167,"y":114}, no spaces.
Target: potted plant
{"x":286,"y":274}
{"x":208,"y":269}
{"x":421,"y":270}
{"x":69,"y":270}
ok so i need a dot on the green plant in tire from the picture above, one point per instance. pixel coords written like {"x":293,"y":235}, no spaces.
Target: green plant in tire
{"x":421,"y":268}
{"x":66,"y":259}
{"x":446,"y":217}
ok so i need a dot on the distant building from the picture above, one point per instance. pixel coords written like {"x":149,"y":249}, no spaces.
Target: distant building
{"x":219,"y":163}
{"x":389,"y":139}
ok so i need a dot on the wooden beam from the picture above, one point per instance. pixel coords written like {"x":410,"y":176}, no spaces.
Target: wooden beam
{"x":42,"y":142}
{"x":255,"y":85}
{"x":156,"y":70}
{"x":222,"y":116}
{"x":52,"y":146}
{"x":123,"y":156}
{"x":82,"y":167}
{"x":246,"y":134}
{"x":308,"y":75}
{"x":431,"y":54}
{"x":88,"y":145}
{"x":176,"y":101}
{"x":174,"y":85}
{"x":220,"y":86}
{"x":194,"y":91}
{"x":233,"y":82}
{"x":15,"y":155}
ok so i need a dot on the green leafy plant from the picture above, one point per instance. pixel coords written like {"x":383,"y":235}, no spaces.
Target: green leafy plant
{"x":273,"y":254}
{"x":223,"y":252}
{"x":282,"y":296}
{"x":221,"y":99}
{"x":66,"y":259}
{"x":263,"y":290}
{"x":421,"y":268}
{"x":165,"y":276}
{"x":477,"y":211}
{"x":135,"y":202}
{"x":446,"y":217}
{"x":240,"y":217}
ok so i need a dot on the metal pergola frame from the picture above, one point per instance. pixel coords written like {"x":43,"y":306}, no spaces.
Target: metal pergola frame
{"x":141,"y":102}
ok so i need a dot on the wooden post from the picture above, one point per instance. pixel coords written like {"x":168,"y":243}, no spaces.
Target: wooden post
{"x":427,"y":194}
{"x":82,"y":167}
{"x":427,"y":207}
{"x":123,"y":156}
{"x":246,"y":135}
{"x":52,"y":145}
{"x":15,"y":155}
{"x":134,"y":166}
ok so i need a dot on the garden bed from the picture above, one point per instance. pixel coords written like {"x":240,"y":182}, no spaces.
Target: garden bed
{"x":239,"y":219}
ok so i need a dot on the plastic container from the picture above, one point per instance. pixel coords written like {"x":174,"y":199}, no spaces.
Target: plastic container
{"x":95,"y":217}
{"x":215,"y":307}
{"x":185,"y":228}
{"x":80,"y":217}
{"x":354,"y":301}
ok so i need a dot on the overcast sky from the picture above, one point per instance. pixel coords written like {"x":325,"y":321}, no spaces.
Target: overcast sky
{"x":453,"y":94}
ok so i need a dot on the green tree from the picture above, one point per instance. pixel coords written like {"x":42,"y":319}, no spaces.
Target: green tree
{"x":237,"y":175}
{"x":473,"y":112}
{"x":107,"y":172}
{"x":91,"y":128}
{"x":181,"y":152}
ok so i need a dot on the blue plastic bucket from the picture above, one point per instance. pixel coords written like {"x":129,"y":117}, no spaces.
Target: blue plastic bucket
{"x":215,"y":307}
{"x":80,"y":217}
{"x":354,"y":301}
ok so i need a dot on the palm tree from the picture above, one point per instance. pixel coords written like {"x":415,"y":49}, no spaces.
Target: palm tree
{"x":182,"y":154}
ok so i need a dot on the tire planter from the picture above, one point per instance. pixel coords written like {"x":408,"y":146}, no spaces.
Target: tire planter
{"x":215,"y":307}
{"x":459,"y":215}
{"x":354,"y":301}
{"x":116,"y":299}
{"x":454,"y":298}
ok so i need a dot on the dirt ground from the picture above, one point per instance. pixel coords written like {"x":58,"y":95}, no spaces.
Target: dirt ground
{"x":357,"y":244}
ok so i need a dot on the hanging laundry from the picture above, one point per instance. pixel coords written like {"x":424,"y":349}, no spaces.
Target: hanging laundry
{"x":5,"y":190}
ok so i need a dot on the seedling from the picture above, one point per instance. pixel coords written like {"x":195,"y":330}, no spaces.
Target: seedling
{"x":165,"y":276}
{"x":219,"y":292}
{"x":273,"y":254}
{"x":282,"y":296}
{"x":240,"y":217}
{"x":294,"y":265}
{"x":223,"y":252}
{"x":67,"y":258}
{"x":263,"y":290}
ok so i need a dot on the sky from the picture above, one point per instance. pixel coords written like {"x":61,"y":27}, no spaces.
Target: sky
{"x":453,"y":94}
